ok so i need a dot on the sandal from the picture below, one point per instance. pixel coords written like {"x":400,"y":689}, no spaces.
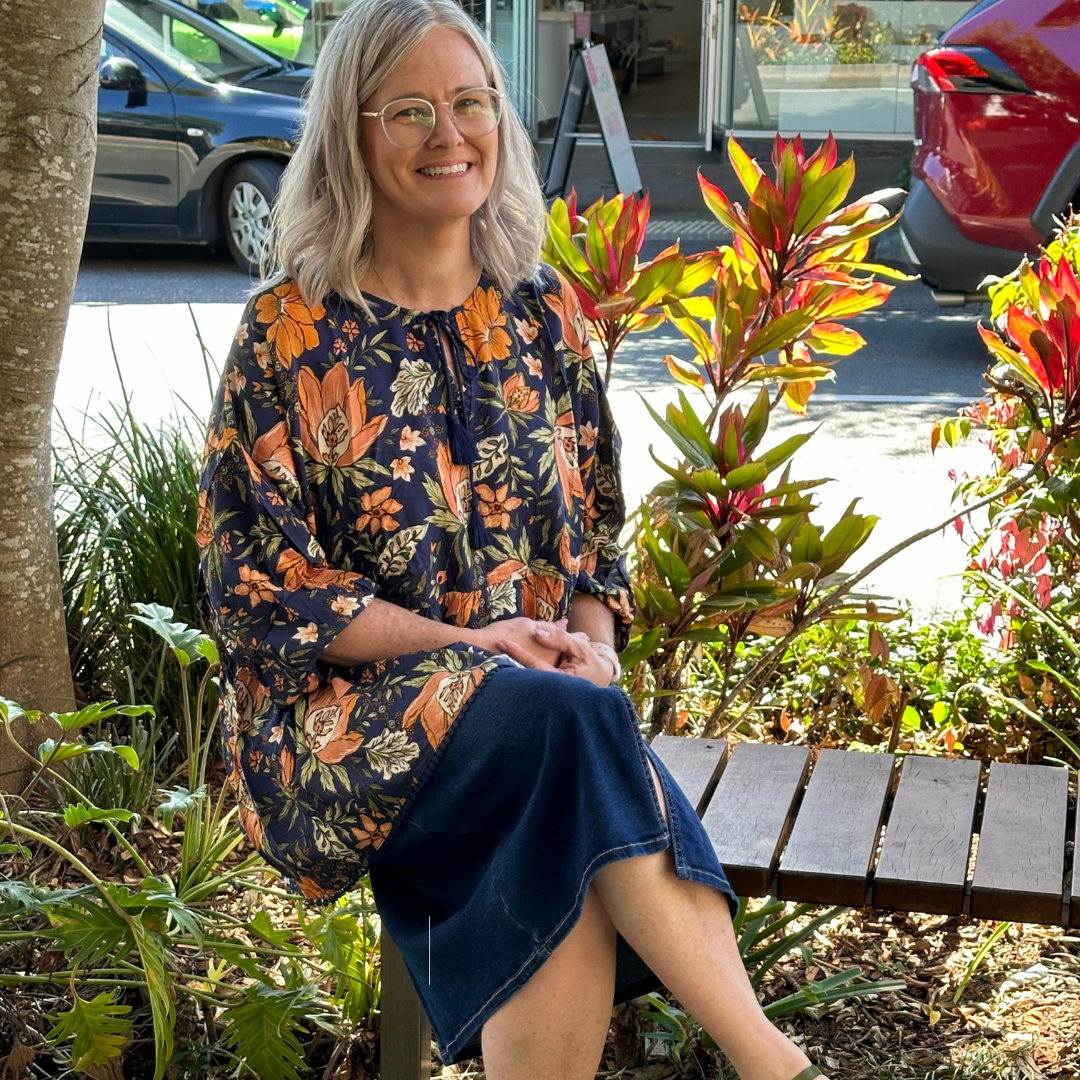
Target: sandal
{"x":809,"y":1073}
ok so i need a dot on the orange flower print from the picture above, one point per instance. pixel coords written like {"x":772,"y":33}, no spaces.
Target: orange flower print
{"x":300,"y":573}
{"x":566,"y":305}
{"x":527,"y":330}
{"x":369,"y":834}
{"x":535,"y":366}
{"x":378,"y":513}
{"x":541,"y":597}
{"x":587,"y":435}
{"x":334,"y":428}
{"x":204,"y":523}
{"x":439,"y":701}
{"x":570,"y":562}
{"x":482,"y":324}
{"x":340,"y":347}
{"x":264,"y":353}
{"x":291,"y":327}
{"x":402,"y":468}
{"x":461,"y":606}
{"x":454,"y":480}
{"x":495,"y":506}
{"x":509,"y":570}
{"x":242,"y":334}
{"x":409,"y":439}
{"x":255,"y":586}
{"x":250,"y":821}
{"x":518,"y":397}
{"x":312,"y":890}
{"x":413,"y":343}
{"x":566,"y":459}
{"x":326,"y":722}
{"x":273,"y":455}
{"x":350,"y":329}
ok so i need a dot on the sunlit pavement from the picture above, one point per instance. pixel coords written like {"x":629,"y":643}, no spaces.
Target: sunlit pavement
{"x":874,"y":420}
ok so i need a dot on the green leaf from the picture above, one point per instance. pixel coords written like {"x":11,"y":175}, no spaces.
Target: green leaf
{"x":758,"y":539}
{"x":99,"y":1027}
{"x":68,"y":750}
{"x":178,"y":801}
{"x":78,"y":814}
{"x":747,"y":475}
{"x":823,"y":196}
{"x":262,"y":1030}
{"x":87,"y":931}
{"x":780,"y":331}
{"x":151,"y":946}
{"x":184,"y":640}
{"x":91,"y":714}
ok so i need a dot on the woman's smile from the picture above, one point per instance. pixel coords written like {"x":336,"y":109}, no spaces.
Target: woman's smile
{"x":446,"y":170}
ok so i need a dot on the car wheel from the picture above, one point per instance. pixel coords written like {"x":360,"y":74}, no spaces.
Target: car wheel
{"x":246,"y":200}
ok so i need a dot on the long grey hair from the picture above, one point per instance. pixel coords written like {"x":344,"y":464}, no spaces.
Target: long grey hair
{"x":320,"y":232}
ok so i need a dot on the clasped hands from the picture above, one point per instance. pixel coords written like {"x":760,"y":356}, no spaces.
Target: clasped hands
{"x":547,"y":646}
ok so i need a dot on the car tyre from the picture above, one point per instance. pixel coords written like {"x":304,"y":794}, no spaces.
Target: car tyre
{"x":247,"y":197}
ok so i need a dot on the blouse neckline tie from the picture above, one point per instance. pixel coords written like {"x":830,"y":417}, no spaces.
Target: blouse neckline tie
{"x":459,"y":412}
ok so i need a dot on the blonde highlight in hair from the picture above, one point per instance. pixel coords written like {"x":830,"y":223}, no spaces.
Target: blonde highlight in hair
{"x":320,"y":228}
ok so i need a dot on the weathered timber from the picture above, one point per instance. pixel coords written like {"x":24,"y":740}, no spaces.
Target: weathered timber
{"x":1020,"y":867}
{"x":694,"y":763}
{"x":1074,"y":903}
{"x":405,"y":1033}
{"x":828,"y":857}
{"x":924,"y":859}
{"x":751,"y":812}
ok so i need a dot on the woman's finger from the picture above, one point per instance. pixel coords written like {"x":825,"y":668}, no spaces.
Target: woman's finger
{"x":525,"y":657}
{"x":564,"y":641}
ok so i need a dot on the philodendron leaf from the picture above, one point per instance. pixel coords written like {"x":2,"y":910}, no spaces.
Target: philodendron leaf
{"x":77,"y":814}
{"x":99,"y":1027}
{"x":68,"y":750}
{"x":261,"y":1031}
{"x":178,"y":801}
{"x":101,"y":710}
{"x":184,"y":640}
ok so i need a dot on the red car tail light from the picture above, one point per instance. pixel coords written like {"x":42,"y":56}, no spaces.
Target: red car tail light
{"x":961,"y":69}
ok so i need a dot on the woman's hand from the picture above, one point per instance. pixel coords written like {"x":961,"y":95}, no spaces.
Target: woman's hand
{"x":518,"y":638}
{"x":576,"y":655}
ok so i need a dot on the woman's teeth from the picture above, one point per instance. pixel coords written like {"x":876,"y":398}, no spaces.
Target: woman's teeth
{"x":445,"y":170}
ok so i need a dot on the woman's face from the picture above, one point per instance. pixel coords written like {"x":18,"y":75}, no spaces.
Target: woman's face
{"x":441,"y":65}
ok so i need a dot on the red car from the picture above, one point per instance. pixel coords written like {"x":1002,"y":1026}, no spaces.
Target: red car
{"x":997,"y":141}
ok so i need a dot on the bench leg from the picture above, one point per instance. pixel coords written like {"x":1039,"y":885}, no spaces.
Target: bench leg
{"x":404,"y":1030}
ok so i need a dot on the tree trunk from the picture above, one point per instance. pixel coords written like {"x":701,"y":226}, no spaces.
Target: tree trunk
{"x":48,"y":137}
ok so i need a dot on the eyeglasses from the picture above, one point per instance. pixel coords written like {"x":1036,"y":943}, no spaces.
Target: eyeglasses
{"x":408,"y":122}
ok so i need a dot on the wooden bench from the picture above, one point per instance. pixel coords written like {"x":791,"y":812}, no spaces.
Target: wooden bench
{"x":917,"y":834}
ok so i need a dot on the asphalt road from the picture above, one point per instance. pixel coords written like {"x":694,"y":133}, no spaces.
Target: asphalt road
{"x":136,"y":313}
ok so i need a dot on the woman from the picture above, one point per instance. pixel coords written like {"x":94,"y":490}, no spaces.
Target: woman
{"x":409,"y":520}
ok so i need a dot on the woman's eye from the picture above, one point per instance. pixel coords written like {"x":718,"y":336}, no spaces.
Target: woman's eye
{"x":411,"y":115}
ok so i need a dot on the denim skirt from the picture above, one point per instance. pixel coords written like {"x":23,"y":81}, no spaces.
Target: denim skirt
{"x":540,"y":782}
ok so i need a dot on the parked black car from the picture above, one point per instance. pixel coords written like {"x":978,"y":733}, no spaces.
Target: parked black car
{"x":195,"y":126}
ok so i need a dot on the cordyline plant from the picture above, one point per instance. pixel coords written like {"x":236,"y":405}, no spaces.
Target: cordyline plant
{"x":726,"y":546}
{"x":1024,"y":563}
{"x":598,"y":251}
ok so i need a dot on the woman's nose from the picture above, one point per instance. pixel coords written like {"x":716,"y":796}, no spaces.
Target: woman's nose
{"x":444,"y":132}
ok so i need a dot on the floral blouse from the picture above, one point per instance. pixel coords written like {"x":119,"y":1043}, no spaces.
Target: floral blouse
{"x":348,"y":459}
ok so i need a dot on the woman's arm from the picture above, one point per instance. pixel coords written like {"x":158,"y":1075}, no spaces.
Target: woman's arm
{"x":384,"y":630}
{"x":593,"y":617}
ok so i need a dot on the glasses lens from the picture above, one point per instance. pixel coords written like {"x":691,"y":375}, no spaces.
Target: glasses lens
{"x":408,"y":121}
{"x":476,"y":111}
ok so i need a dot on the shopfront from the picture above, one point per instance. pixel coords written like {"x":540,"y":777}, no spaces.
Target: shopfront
{"x":693,"y":69}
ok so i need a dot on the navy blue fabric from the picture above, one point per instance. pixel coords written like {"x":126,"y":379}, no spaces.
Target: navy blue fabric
{"x":545,"y":781}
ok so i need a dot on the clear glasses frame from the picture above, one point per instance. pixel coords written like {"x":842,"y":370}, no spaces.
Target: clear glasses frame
{"x":425,"y":125}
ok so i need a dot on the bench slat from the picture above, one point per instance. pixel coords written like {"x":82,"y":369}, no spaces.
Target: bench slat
{"x":693,"y":763}
{"x":751,"y":811}
{"x":1020,"y":866}
{"x":1074,"y":903}
{"x":924,"y":860}
{"x":405,"y":1033}
{"x":832,"y":843}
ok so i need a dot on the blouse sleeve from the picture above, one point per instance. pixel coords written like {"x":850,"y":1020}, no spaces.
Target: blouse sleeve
{"x":602,"y":571}
{"x":272,"y":600}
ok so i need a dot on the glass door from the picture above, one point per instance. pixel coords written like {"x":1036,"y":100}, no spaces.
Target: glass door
{"x":511,"y":26}
{"x":710,"y":76}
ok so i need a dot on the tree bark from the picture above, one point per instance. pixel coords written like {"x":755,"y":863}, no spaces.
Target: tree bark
{"x":48,"y":138}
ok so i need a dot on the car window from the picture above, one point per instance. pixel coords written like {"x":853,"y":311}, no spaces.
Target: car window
{"x":184,"y":44}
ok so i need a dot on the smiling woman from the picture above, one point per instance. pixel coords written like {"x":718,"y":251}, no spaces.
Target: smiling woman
{"x":409,"y":523}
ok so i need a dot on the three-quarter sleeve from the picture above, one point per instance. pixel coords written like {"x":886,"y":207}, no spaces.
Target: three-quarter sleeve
{"x":602,"y":568}
{"x":272,"y":600}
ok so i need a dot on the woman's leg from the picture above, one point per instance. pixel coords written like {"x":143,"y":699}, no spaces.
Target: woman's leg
{"x":555,"y":1026}
{"x":682,"y":930}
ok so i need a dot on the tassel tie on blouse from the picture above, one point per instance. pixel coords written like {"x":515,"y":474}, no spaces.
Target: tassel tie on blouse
{"x":459,"y":414}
